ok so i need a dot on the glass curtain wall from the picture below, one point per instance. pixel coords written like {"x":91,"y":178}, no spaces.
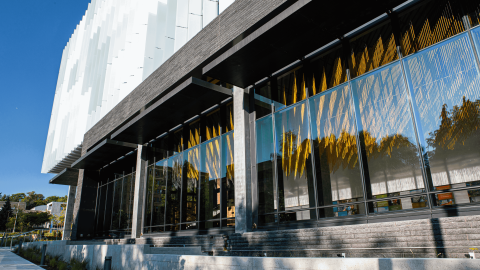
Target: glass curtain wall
{"x":194,"y":189}
{"x":400,"y":133}
{"x":114,"y":210}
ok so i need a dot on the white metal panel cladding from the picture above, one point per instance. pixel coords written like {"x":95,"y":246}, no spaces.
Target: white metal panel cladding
{"x":116,"y":45}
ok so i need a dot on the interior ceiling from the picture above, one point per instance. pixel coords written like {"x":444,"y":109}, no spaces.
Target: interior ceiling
{"x":285,"y":39}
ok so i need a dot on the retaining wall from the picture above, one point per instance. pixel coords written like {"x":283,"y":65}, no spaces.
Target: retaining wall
{"x":137,"y":257}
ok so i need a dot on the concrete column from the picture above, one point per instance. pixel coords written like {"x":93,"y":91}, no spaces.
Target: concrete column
{"x":243,"y":194}
{"x":139,"y":195}
{"x":67,"y":225}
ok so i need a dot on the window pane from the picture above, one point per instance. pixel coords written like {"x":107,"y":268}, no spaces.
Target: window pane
{"x":342,"y":211}
{"x":459,"y":196}
{"x":263,"y":101}
{"x":160,"y":149}
{"x":294,"y":164}
{"x":178,"y":141}
{"x":446,"y":89}
{"x":228,"y":223}
{"x":229,"y":125}
{"x":228,"y":179}
{"x":148,"y":199}
{"x":131,"y":198}
{"x":428,"y":23}
{"x":388,"y":133}
{"x":210,"y":180}
{"x":108,"y":207}
{"x":190,"y":186}
{"x":158,"y":229}
{"x":101,"y":209}
{"x":125,"y":220}
{"x":267,"y":188}
{"x":174,"y":188}
{"x":190,"y":226}
{"x":472,"y":8}
{"x":213,"y":125}
{"x":210,"y":224}
{"x":159,"y":189}
{"x":117,"y":203}
{"x":372,"y":49}
{"x":329,"y":70}
{"x":291,"y":87}
{"x":399,"y":204}
{"x":335,"y":148}
{"x":194,"y":134}
{"x":268,"y":219}
{"x":171,"y":228}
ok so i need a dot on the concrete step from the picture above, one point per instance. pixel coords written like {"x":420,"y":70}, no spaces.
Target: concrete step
{"x":174,"y":250}
{"x":428,"y":238}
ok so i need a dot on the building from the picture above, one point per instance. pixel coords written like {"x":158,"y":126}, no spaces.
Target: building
{"x":40,"y":208}
{"x":283,"y":115}
{"x":56,"y":208}
{"x":15,"y":205}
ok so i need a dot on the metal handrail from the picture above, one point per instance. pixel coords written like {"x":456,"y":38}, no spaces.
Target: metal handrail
{"x":22,"y":234}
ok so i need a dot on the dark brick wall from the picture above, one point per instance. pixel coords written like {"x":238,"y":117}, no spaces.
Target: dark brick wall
{"x":219,"y":35}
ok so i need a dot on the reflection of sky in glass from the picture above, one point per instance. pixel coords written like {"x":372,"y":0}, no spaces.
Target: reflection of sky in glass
{"x":389,"y":137}
{"x":264,"y":139}
{"x":212,"y":159}
{"x":441,"y":77}
{"x":227,"y":156}
{"x":265,"y":155}
{"x":175,"y":164}
{"x":334,"y":134}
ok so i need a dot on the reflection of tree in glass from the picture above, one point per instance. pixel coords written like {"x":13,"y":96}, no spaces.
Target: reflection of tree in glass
{"x":175,"y":183}
{"x":294,"y":153}
{"x":454,"y":144}
{"x":340,"y":152}
{"x":457,"y":126}
{"x":191,"y":167}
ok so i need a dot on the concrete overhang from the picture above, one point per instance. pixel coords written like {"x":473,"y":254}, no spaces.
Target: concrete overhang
{"x":184,"y":102}
{"x":302,"y":28}
{"x":103,"y":154}
{"x":67,"y":176}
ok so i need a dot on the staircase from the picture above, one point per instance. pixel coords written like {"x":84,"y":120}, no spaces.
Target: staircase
{"x":209,"y":244}
{"x":427,"y":238}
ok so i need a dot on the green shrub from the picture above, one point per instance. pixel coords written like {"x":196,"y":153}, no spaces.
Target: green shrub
{"x":53,"y":262}
{"x":78,"y":265}
{"x":62,"y":265}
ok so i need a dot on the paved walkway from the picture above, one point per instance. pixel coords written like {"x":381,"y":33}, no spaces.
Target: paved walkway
{"x":10,"y":261}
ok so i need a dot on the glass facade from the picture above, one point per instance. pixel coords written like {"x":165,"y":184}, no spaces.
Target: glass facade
{"x":193,"y":189}
{"x":113,"y":215}
{"x":383,"y":130}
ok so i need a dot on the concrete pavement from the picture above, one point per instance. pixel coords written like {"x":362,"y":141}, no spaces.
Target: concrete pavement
{"x":11,"y":261}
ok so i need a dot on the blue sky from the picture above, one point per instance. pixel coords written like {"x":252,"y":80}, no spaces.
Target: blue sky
{"x":33,"y":34}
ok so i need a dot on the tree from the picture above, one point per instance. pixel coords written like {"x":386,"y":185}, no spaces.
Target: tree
{"x":55,"y":199}
{"x":33,"y":199}
{"x":18,"y":197}
{"x":5,"y":213}
{"x":58,"y":219}
{"x":28,"y":220}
